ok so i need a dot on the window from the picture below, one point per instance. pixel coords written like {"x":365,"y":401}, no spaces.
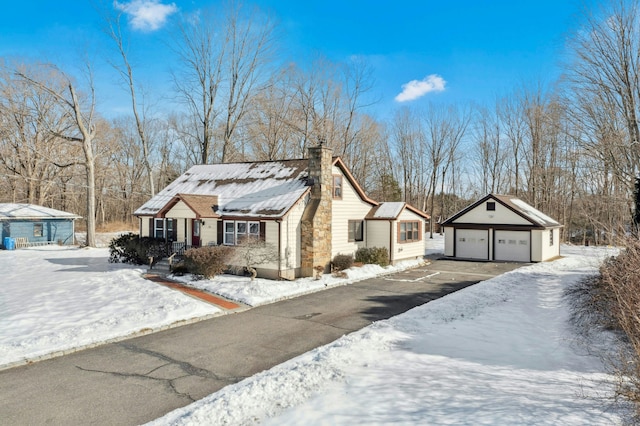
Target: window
{"x":236,"y":231}
{"x":37,"y":229}
{"x":158,"y":228}
{"x":171,"y":232}
{"x":337,"y":186}
{"x":491,"y":206}
{"x":163,"y":228}
{"x":408,"y":232}
{"x":229,"y":234}
{"x":551,"y":238}
{"x":355,"y":230}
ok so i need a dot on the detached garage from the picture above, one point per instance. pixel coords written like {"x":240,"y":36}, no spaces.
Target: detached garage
{"x":501,"y":227}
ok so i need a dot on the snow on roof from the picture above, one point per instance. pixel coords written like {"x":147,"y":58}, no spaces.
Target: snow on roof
{"x":387,"y":210}
{"x":32,"y":211}
{"x":267,"y":188}
{"x":533,"y":213}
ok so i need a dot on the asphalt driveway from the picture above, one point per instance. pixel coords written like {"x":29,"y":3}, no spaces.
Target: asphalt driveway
{"x":140,"y":379}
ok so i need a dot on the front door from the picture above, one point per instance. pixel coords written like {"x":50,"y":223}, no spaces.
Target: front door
{"x":195,"y":232}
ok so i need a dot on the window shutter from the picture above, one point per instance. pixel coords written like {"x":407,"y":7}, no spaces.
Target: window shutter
{"x":263,"y":231}
{"x":220,"y":233}
{"x":152,"y":232}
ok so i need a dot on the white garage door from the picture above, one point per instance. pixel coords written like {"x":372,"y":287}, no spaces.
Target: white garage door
{"x":472,"y":243}
{"x":513,"y":245}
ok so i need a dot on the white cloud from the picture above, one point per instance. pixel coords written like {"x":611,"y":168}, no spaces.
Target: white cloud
{"x":146,"y":15}
{"x":418,"y":88}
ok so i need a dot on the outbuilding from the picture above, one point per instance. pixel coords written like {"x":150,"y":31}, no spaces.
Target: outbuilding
{"x":29,"y":225}
{"x":504,"y":228}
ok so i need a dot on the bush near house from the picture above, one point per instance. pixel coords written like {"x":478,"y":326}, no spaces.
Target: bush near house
{"x":373,"y":256}
{"x":341,"y":262}
{"x":207,"y":261}
{"x":131,"y":248}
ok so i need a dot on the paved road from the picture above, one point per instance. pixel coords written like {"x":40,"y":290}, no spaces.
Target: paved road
{"x":138,"y":380}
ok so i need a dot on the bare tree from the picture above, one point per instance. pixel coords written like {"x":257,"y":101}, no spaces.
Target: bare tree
{"x":445,"y":128}
{"x":81,"y":110}
{"x":223,"y":66}
{"x":408,"y":141}
{"x":114,"y":31}
{"x":29,"y":150}
{"x":491,"y":150}
{"x":605,"y":86}
{"x":513,"y":125}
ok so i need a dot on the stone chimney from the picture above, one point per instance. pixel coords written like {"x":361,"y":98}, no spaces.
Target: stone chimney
{"x":316,"y":220}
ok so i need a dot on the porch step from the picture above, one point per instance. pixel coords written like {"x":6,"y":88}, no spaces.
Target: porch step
{"x":161,"y":267}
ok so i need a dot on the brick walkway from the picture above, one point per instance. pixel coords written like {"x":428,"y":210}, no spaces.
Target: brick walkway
{"x":198,"y":294}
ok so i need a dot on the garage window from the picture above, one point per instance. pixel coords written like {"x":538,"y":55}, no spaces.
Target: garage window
{"x":409,"y":232}
{"x":37,"y":229}
{"x":551,"y":238}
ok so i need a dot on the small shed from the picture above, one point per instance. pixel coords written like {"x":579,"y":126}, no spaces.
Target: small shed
{"x":36,"y":225}
{"x":501,"y":227}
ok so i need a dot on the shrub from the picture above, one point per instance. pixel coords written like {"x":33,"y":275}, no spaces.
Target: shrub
{"x":207,"y":261}
{"x":180,"y":269}
{"x":131,"y":248}
{"x":373,"y":256}
{"x":341,"y":262}
{"x":611,"y":301}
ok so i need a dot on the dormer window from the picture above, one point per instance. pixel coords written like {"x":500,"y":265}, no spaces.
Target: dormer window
{"x":491,"y":206}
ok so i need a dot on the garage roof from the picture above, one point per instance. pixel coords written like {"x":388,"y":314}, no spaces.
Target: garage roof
{"x":515,"y":204}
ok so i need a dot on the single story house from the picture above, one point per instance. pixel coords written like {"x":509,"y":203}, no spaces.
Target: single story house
{"x":307,"y":210}
{"x":30,"y":224}
{"x":501,"y":227}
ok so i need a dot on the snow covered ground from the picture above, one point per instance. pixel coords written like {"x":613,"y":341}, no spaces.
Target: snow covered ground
{"x":58,"y":299}
{"x":500,"y":352}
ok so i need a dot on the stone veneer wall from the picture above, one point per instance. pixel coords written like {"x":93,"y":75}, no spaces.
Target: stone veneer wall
{"x":316,"y":220}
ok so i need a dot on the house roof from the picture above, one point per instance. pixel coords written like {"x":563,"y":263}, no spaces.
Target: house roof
{"x":521,"y":208}
{"x":265,"y":189}
{"x":32,"y":211}
{"x":392,"y":209}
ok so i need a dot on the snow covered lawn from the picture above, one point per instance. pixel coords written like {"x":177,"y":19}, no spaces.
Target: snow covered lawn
{"x":500,"y":352}
{"x":57,"y":299}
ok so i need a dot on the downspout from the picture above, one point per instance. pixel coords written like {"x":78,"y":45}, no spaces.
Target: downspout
{"x":391,"y":242}
{"x":279,"y":222}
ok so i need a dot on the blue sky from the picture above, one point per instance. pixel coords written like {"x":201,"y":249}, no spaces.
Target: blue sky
{"x":448,"y":52}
